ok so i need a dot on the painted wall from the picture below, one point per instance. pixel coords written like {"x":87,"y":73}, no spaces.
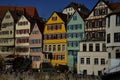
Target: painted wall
{"x":56,"y":42}
{"x":36,"y":35}
{"x":24,"y":26}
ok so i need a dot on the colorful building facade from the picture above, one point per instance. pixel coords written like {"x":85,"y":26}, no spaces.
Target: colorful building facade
{"x":94,"y":43}
{"x":22,"y":36}
{"x":75,"y":33}
{"x":35,"y":40}
{"x":55,"y":38}
{"x":7,"y":34}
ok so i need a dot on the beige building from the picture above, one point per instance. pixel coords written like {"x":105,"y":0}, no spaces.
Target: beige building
{"x":7,"y":34}
{"x":22,"y":36}
{"x":93,"y":48}
{"x":35,"y":41}
{"x":92,"y":58}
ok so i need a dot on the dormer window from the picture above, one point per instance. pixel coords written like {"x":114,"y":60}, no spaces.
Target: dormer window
{"x":54,"y":18}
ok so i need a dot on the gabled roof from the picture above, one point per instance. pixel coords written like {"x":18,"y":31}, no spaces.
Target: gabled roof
{"x":83,"y":16}
{"x":114,"y":5}
{"x":39,"y":21}
{"x":2,"y":14}
{"x":76,"y":6}
{"x":29,"y":10}
{"x":62,"y":16}
{"x":115,"y":8}
{"x":107,"y":3}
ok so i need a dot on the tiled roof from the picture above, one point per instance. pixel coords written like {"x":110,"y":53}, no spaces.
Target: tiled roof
{"x":82,"y":15}
{"x":62,"y":16}
{"x":2,"y":13}
{"x":115,"y":7}
{"x":39,"y":22}
{"x":29,"y":10}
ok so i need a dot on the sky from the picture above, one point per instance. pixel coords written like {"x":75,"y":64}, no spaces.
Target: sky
{"x":46,"y":7}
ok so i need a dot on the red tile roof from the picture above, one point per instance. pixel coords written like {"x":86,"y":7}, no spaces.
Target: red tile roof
{"x":29,"y":10}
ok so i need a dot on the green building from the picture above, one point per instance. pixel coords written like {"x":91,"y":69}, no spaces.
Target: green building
{"x":75,"y":33}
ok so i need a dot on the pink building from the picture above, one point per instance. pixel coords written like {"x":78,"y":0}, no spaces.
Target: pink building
{"x":35,"y":41}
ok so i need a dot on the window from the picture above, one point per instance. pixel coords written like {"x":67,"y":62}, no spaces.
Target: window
{"x":82,"y":60}
{"x":54,"y":18}
{"x":59,"y":26}
{"x":59,"y":48}
{"x":96,"y":61}
{"x":96,"y":12}
{"x":80,"y":26}
{"x":103,"y":47}
{"x":74,"y":17}
{"x":104,"y":23}
{"x":50,"y":48}
{"x":63,"y":47}
{"x":35,"y":49}
{"x":96,"y":23}
{"x":59,"y":57}
{"x":90,"y":47}
{"x":116,"y":37}
{"x":7,"y":16}
{"x":104,"y":11}
{"x":67,"y":27}
{"x":49,"y":27}
{"x":54,"y":47}
{"x":108,"y":38}
{"x":58,"y":36}
{"x":102,"y":61}
{"x":63,"y":35}
{"x":62,"y":57}
{"x":117,"y":20}
{"x":109,"y":55}
{"x":97,"y":47}
{"x":76,"y":27}
{"x":88,"y":61}
{"x":36,"y":58}
{"x":89,"y":24}
{"x":84,"y":47}
{"x":45,"y":48}
{"x":117,"y":54}
{"x":71,"y":27}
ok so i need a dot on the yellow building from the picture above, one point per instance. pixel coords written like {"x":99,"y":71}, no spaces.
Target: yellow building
{"x":55,"y":38}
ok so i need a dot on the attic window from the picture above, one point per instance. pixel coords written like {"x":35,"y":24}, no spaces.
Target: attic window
{"x":96,"y":12}
{"x":54,"y":18}
{"x":7,"y":16}
{"x":74,"y":17}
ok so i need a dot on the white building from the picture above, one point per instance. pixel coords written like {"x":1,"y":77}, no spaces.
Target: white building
{"x":113,"y":34}
{"x":22,"y":36}
{"x":92,"y":58}
{"x":113,"y":40}
{"x":72,"y":7}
